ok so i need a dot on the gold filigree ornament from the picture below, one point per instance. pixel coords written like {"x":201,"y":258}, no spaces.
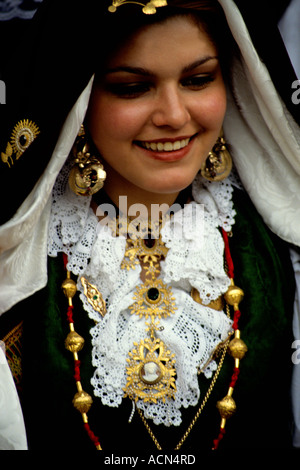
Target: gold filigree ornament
{"x":23,"y":134}
{"x":218,"y":164}
{"x":146,"y":250}
{"x":150,"y":372}
{"x":87,"y":176}
{"x":94,"y":296}
{"x":153,"y":299}
{"x":148,"y":8}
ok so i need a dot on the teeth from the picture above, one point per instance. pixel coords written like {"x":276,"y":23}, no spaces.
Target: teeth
{"x":166,"y":146}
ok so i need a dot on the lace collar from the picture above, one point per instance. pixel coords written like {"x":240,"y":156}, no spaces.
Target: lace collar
{"x":192,"y":332}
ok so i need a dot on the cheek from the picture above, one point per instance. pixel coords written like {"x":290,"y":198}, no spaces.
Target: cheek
{"x":114,"y":120}
{"x":210,"y":111}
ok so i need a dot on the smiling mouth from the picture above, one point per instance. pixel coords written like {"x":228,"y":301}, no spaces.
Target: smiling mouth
{"x":166,"y":146}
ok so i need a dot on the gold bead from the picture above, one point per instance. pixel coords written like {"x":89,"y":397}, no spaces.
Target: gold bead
{"x":234,"y":295}
{"x":69,"y":287}
{"x":82,"y":401}
{"x":74,"y":342}
{"x":237,"y":348}
{"x":226,"y":407}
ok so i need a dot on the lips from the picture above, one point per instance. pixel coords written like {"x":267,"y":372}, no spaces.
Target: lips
{"x":166,"y":145}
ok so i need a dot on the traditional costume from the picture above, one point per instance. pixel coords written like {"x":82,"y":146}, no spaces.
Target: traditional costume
{"x":153,"y":372}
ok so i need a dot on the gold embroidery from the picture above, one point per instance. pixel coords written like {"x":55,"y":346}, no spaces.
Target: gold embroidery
{"x":7,"y":156}
{"x":23,"y":134}
{"x":12,"y":343}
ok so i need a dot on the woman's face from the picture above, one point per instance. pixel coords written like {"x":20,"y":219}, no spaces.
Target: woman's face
{"x":157,"y":111}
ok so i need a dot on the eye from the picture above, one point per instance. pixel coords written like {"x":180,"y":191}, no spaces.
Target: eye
{"x":197,"y":82}
{"x":128,"y":90}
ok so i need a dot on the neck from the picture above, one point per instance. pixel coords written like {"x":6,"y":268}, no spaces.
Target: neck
{"x":142,"y":202}
{"x":155,"y":207}
{"x":131,"y":201}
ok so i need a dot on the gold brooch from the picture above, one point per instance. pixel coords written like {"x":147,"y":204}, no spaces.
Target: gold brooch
{"x":23,"y":134}
{"x":153,"y":299}
{"x":150,"y":372}
{"x":94,"y":296}
{"x":148,"y":8}
{"x":146,"y":250}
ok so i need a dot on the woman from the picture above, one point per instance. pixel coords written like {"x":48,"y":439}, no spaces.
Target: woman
{"x":155,"y":101}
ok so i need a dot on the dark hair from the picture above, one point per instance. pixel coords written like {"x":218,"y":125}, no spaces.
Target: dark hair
{"x":207,"y":14}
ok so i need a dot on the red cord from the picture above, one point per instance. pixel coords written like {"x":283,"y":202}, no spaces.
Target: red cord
{"x":77,"y":363}
{"x":228,"y":255}
{"x":70,"y":314}
{"x":91,"y":435}
{"x":236,"y":318}
{"x":219,"y":438}
{"x":234,"y":377}
{"x":77,"y":371}
{"x":65,"y":260}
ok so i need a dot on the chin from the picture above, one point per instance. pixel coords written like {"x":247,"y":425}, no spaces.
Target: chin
{"x":175,"y":185}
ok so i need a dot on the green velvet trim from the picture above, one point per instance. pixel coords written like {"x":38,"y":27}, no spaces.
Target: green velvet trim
{"x":262,"y":269}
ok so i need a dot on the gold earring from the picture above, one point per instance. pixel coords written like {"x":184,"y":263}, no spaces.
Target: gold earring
{"x":218,"y":164}
{"x":87,"y":175}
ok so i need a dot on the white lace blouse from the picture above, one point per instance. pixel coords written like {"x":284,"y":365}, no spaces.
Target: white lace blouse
{"x":195,"y":259}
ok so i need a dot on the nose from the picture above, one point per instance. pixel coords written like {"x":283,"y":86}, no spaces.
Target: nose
{"x":171,"y":108}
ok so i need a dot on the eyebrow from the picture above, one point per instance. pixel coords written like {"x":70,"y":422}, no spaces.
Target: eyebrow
{"x":144,"y":72}
{"x":199,"y":62}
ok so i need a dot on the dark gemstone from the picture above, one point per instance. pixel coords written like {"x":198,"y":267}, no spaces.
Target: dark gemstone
{"x":153,"y":293}
{"x":23,"y":140}
{"x":149,"y":242}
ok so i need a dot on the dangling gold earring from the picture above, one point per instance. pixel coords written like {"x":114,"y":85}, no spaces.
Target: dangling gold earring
{"x":87,"y":175}
{"x":218,"y":164}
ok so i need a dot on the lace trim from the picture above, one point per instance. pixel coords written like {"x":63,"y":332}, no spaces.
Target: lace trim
{"x":192,"y":332}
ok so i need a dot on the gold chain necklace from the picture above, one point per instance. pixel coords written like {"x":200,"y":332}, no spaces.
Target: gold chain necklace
{"x":236,"y":348}
{"x":193,"y":422}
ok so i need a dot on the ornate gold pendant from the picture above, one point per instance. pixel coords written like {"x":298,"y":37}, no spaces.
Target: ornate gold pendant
{"x":153,"y":299}
{"x":146,"y":250}
{"x":150,"y":372}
